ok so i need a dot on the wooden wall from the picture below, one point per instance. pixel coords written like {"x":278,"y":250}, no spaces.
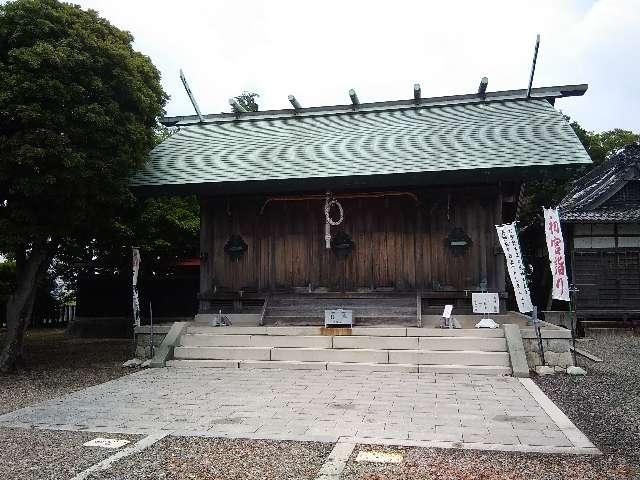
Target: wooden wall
{"x":399,"y":243}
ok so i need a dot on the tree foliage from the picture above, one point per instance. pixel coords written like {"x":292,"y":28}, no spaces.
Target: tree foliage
{"x":248,"y":101}
{"x":78,"y":111}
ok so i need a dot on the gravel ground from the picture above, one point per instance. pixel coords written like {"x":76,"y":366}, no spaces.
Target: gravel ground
{"x":42,"y":454}
{"x":56,"y":365}
{"x":605,"y":404}
{"x":181,"y":458}
{"x":422,"y":463}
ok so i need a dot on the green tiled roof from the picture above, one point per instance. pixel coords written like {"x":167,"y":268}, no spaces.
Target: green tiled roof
{"x":372,"y":141}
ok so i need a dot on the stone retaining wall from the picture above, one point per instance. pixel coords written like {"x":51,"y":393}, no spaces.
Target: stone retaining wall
{"x":143,"y":337}
{"x":556,"y":343}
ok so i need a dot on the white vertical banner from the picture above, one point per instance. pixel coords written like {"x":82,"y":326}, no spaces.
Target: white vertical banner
{"x":136,"y":302}
{"x":511,"y":248}
{"x":555,"y":245}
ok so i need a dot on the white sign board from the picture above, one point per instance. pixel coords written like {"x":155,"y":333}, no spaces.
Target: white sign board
{"x":447,"y":311}
{"x":379,"y":456}
{"x":511,"y":248}
{"x":106,"y":443}
{"x":555,"y":245}
{"x":338,"y":317}
{"x":485,"y":303}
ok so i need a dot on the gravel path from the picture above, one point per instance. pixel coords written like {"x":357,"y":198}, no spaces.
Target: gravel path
{"x":42,"y":454}
{"x":180,"y":458}
{"x":421,"y":463}
{"x":56,"y":365}
{"x":605,"y":404}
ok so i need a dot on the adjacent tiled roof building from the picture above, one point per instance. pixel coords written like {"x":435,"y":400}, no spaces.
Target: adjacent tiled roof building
{"x":610,"y":193}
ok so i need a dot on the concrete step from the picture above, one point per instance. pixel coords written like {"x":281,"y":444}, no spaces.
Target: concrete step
{"x":358,"y":355}
{"x":376,"y":343}
{"x":222,"y":353}
{"x":466,"y":369}
{"x":457,"y":357}
{"x":390,"y":331}
{"x":285,"y":341}
{"x":318,"y":319}
{"x":328,"y":355}
{"x":422,"y":343}
{"x":362,"y":367}
{"x":283,"y":365}
{"x":488,"y":344}
{"x":357,"y":311}
{"x":178,"y":363}
{"x":372,"y":367}
{"x":455,"y":332}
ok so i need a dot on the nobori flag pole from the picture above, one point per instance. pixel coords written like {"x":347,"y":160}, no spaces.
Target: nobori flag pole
{"x":573,"y":316}
{"x":150,"y":331}
{"x":135,"y":264}
{"x":135,"y":269}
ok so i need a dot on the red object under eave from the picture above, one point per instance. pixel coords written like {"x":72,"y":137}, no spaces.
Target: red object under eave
{"x":189,"y":262}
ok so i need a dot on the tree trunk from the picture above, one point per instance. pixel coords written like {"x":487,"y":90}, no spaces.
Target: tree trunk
{"x":20,"y":304}
{"x":28,"y":312}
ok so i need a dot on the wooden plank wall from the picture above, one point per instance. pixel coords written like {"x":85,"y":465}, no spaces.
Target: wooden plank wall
{"x":399,"y":243}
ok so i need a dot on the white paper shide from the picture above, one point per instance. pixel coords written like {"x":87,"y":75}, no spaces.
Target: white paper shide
{"x":511,"y":248}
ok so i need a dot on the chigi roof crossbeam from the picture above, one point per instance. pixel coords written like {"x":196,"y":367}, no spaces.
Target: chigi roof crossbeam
{"x":547,"y":93}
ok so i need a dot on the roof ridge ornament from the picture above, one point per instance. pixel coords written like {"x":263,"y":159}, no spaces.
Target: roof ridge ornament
{"x":533,"y":65}
{"x":191,"y":97}
{"x":354,"y":98}
{"x":295,"y":103}
{"x":237,"y":108}
{"x":482,"y":88}
{"x":417,"y":93}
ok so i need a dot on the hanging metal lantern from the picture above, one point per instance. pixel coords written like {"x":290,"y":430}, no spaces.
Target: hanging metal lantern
{"x":235,"y":247}
{"x":342,"y":244}
{"x":458,"y":242}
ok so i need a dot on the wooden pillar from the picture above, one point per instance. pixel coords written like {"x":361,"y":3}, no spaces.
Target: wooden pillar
{"x":500,"y":281}
{"x":206,"y":253}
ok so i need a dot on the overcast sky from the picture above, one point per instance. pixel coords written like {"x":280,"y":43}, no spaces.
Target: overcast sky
{"x":318,"y":50}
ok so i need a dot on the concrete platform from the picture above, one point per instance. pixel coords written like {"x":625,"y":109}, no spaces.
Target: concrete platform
{"x":394,"y":408}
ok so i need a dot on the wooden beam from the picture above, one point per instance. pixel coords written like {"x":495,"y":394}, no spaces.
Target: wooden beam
{"x":482,"y":88}
{"x":354,"y":98}
{"x":294,"y":102}
{"x":417,"y":93}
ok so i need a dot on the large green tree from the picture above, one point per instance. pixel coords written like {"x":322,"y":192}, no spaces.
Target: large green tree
{"x":78,"y":111}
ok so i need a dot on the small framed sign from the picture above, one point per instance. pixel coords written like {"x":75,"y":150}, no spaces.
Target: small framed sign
{"x":485,"y":303}
{"x":338,"y":317}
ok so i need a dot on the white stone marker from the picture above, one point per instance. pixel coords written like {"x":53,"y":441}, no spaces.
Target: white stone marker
{"x":106,"y":443}
{"x":379,"y":456}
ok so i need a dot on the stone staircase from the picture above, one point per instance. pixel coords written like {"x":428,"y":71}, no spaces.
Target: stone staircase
{"x":367,"y":308}
{"x":401,"y":349}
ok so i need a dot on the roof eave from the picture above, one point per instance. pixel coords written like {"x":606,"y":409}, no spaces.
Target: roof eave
{"x":484,"y":176}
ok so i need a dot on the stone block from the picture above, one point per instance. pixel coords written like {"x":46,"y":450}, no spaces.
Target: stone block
{"x":544,"y":370}
{"x":576,"y":371}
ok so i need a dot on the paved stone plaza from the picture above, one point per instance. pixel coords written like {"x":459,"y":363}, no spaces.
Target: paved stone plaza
{"x":470,"y":411}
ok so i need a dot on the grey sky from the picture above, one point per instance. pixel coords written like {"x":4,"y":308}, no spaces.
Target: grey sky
{"x":318,"y":50}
